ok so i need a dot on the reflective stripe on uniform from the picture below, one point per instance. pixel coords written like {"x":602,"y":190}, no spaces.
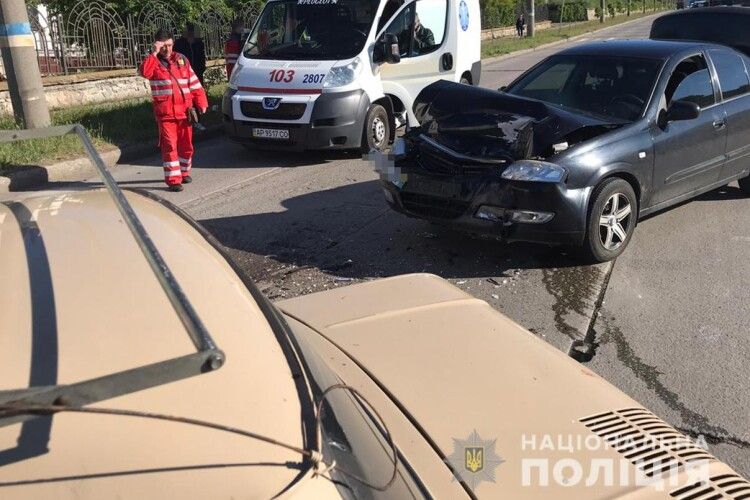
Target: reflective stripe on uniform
{"x":184,"y":160}
{"x":196,"y":86}
{"x":161,"y":92}
{"x":168,"y":164}
{"x":154,"y":83}
{"x":182,"y":81}
{"x":172,"y":173}
{"x":231,"y":60}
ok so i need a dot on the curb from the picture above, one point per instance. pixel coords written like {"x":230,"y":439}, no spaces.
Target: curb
{"x":77,"y":169}
{"x":494,"y":59}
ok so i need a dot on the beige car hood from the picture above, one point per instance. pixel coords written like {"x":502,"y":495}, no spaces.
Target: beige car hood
{"x":79,"y":299}
{"x":455,"y":365}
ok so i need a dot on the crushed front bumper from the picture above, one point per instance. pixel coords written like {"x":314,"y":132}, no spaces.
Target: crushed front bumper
{"x":419,"y":189}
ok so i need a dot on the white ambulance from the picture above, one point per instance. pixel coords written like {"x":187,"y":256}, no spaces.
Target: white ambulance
{"x":343,"y":74}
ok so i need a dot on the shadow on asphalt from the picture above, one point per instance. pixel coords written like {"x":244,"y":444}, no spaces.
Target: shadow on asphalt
{"x":350,"y":232}
{"x":240,"y":157}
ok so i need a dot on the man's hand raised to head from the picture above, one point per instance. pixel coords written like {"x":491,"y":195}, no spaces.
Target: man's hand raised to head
{"x":157,"y":47}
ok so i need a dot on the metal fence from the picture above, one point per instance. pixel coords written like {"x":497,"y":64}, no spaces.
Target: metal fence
{"x":92,"y":36}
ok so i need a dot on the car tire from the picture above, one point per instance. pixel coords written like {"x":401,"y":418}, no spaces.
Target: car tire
{"x":377,"y":131}
{"x":744,"y":185}
{"x":611,"y":220}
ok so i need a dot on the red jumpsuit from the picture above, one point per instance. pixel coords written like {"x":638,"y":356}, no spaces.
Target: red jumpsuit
{"x":232,"y":49}
{"x":174,"y":89}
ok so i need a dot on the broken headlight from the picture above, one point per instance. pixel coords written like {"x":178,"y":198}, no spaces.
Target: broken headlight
{"x":534,"y":171}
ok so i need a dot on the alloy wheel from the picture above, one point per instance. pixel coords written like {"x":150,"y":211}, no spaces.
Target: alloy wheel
{"x":614,"y":221}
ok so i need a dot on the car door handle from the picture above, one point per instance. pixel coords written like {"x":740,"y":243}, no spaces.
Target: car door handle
{"x":720,"y":124}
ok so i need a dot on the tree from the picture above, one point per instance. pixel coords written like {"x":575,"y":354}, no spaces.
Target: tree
{"x":189,"y":9}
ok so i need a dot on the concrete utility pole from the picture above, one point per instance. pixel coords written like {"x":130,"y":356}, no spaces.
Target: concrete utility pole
{"x":601,"y":7}
{"x":21,"y":66}
{"x":532,"y":19}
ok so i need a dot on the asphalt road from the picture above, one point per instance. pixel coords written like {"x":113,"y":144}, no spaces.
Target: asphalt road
{"x":672,"y":330}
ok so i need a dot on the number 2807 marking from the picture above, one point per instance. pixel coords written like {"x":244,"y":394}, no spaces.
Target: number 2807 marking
{"x":313,"y":78}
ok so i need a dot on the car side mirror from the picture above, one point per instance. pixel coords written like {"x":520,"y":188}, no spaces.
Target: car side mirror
{"x":682,"y":110}
{"x":386,"y":50}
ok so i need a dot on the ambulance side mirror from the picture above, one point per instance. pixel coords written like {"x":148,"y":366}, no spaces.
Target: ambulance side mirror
{"x":386,"y":50}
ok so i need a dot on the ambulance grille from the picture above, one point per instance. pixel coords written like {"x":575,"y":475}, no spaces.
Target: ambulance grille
{"x":645,"y":440}
{"x":285,"y":111}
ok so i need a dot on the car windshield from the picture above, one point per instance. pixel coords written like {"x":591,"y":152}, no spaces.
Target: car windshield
{"x":615,"y":88}
{"x":311,"y":29}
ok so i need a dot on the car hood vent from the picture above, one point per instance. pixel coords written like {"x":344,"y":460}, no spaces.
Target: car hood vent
{"x":723,"y":486}
{"x":645,"y":440}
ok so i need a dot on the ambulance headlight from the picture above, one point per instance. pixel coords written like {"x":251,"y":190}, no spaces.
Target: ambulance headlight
{"x":340,"y":76}
{"x":235,"y":75}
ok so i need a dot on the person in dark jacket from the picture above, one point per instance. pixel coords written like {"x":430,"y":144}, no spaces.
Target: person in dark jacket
{"x":193,"y":48}
{"x":520,"y":25}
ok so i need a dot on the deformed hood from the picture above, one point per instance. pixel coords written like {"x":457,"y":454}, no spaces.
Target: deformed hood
{"x":484,"y":123}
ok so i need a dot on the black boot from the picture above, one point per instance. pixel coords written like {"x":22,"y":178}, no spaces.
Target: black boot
{"x":176,"y":188}
{"x":187,"y":179}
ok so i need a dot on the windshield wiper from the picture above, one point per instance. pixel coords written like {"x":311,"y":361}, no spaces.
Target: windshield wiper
{"x":207,"y":357}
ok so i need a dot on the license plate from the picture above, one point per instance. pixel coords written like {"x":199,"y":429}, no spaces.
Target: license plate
{"x":270,"y":133}
{"x":433,"y":187}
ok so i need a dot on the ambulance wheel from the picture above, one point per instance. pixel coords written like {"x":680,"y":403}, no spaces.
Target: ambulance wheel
{"x":377,"y":132}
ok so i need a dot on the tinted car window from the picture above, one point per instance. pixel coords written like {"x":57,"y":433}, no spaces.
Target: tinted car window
{"x":691,"y":81}
{"x":696,"y":88}
{"x":611,"y":86}
{"x":733,"y":78}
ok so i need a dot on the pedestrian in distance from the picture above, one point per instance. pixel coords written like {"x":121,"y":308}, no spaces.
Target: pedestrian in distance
{"x":177,"y":96}
{"x":233,"y":46}
{"x":193,"y":48}
{"x":520,"y":25}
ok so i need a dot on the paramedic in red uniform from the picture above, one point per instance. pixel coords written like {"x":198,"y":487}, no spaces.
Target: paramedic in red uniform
{"x":176,"y":94}
{"x":233,"y":46}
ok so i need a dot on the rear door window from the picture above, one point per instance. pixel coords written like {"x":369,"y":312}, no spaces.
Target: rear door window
{"x":733,"y":78}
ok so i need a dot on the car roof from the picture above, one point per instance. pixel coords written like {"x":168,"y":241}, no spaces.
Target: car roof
{"x":733,"y":11}
{"x":645,"y":48}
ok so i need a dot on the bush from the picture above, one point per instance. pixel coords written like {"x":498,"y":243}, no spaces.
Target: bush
{"x":498,"y":13}
{"x":574,"y":11}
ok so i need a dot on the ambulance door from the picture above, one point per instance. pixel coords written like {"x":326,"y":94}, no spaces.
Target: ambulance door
{"x":422,"y":29}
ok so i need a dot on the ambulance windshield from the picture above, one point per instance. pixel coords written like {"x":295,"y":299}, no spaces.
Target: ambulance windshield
{"x":311,"y":29}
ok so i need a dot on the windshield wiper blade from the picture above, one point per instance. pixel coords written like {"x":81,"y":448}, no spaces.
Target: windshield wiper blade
{"x":207,"y":357}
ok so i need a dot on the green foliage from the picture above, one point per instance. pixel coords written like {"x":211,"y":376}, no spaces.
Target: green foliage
{"x":186,"y":9}
{"x":569,"y":12}
{"x":498,"y":13}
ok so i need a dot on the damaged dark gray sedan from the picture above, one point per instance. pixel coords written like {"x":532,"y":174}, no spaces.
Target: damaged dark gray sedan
{"x":579,"y":147}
